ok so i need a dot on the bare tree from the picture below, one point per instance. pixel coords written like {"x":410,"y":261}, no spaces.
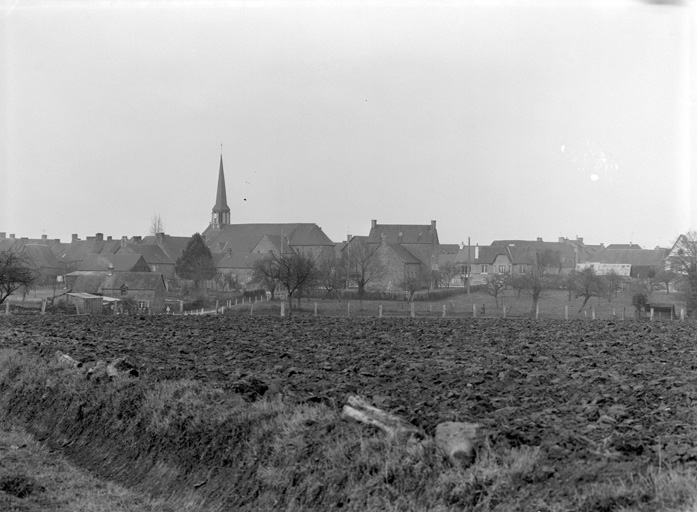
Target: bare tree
{"x":298,"y":273}
{"x":537,"y":279}
{"x":364,"y":264}
{"x":415,"y":281}
{"x":666,"y":277}
{"x":156,"y":225}
{"x":266,"y":272}
{"x":496,"y":283}
{"x":614,"y":283}
{"x":332,"y":275}
{"x":446,"y":272}
{"x":15,"y":273}
{"x":684,"y":261}
{"x":588,"y":284}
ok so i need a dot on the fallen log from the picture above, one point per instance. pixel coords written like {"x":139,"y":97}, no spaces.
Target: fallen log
{"x":66,"y":360}
{"x":360,"y":410}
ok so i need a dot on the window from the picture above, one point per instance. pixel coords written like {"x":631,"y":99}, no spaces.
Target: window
{"x":503,"y":269}
{"x":485,"y":269}
{"x":142,"y":304}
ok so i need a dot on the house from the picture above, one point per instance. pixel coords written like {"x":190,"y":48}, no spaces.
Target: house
{"x":481,"y":261}
{"x":523,"y":252}
{"x":401,"y":267}
{"x":421,"y":240}
{"x":77,"y":250}
{"x":117,"y":262}
{"x":154,"y":257}
{"x":643,"y":261}
{"x":145,"y":289}
{"x":38,"y":255}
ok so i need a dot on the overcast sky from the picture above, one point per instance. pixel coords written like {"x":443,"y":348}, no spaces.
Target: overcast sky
{"x":496,"y":119}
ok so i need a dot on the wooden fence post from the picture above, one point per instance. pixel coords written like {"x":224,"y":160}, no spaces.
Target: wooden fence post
{"x":283,"y":308}
{"x":380,"y":311}
{"x":537,"y":311}
{"x":566,"y":312}
{"x":682,"y":314}
{"x":474,"y":311}
{"x":443,"y":310}
{"x":651,"y":315}
{"x":593,"y":313}
{"x":315,"y":309}
{"x":411,"y":309}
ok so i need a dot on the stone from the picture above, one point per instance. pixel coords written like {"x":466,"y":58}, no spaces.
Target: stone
{"x":458,"y":441}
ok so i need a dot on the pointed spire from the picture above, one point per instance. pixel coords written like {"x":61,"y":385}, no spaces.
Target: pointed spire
{"x":221,"y":211}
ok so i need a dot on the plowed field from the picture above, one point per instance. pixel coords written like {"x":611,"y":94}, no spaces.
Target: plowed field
{"x":602,"y":399}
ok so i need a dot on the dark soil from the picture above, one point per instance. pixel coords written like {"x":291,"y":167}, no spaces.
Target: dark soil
{"x":602,"y":399}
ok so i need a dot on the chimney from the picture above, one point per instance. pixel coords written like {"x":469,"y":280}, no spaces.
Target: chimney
{"x":25,"y":239}
{"x":579,"y":239}
{"x":12,"y":236}
{"x":373,"y":223}
{"x":124,"y":241}
{"x":75,"y":238}
{"x":137,"y":239}
{"x":99,"y":237}
{"x":539,"y":238}
{"x":349,"y":237}
{"x":383,"y":238}
{"x":476,"y":252}
{"x":108,"y":239}
{"x":44,"y":237}
{"x":159,"y":238}
{"x":562,"y":240}
{"x":3,"y":235}
{"x":433,"y":225}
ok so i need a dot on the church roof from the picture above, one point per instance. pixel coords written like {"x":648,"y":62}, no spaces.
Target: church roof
{"x":221,"y":196}
{"x":244,"y":237}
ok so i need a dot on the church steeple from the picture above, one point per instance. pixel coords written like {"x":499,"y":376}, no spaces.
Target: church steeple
{"x":221,"y":211}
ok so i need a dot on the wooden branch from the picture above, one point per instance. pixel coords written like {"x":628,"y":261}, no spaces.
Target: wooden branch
{"x":360,"y":410}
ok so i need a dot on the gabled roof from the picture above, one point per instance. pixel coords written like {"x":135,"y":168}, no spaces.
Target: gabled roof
{"x":152,"y":254}
{"x":403,"y":234}
{"x":172,"y":246}
{"x":119,"y":262}
{"x":638,"y":257}
{"x":42,"y":257}
{"x":404,"y":254}
{"x":237,"y":260}
{"x":133,"y":281}
{"x":78,"y":249}
{"x":84,"y":281}
{"x":243,"y":237}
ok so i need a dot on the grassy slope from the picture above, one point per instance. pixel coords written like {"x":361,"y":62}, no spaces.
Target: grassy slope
{"x":194,"y":447}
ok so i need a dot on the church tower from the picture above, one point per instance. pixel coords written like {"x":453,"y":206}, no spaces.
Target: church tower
{"x":221,"y":211}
